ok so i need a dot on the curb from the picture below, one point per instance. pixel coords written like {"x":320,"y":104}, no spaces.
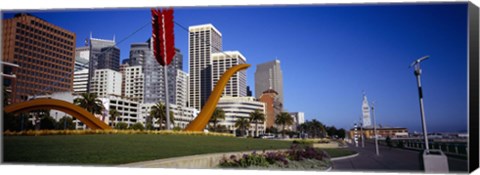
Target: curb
{"x":344,"y":157}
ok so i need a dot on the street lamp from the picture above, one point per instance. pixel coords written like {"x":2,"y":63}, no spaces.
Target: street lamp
{"x":418,"y":72}
{"x":375,"y":128}
{"x":361,"y":132}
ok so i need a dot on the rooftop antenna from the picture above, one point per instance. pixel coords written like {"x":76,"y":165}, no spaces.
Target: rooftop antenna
{"x":113,"y":37}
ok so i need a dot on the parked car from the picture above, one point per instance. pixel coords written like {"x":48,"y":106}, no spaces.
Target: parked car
{"x":266,"y":136}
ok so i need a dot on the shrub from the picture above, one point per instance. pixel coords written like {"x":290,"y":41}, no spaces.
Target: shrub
{"x":296,"y":157}
{"x":121,"y":125}
{"x":137,"y":126}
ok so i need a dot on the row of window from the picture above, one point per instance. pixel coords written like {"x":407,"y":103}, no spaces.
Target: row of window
{"x":44,"y":74}
{"x":43,"y":48}
{"x":41,"y":59}
{"x":46,"y":27}
{"x":45,"y":40}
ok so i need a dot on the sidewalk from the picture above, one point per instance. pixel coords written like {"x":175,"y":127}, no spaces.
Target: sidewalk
{"x":390,"y":159}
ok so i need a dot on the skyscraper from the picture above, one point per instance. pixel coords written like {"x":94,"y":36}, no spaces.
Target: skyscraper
{"x":237,"y":85}
{"x":269,"y":76}
{"x":45,"y":54}
{"x":203,"y":41}
{"x":99,"y":57}
{"x":138,"y":53}
{"x":154,"y":90}
{"x":82,"y":55}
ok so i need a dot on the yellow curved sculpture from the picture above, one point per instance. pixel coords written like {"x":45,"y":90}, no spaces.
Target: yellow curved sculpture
{"x":44,"y":103}
{"x":202,"y":119}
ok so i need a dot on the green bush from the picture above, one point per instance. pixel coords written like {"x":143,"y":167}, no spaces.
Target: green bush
{"x":137,"y":126}
{"x":121,"y":125}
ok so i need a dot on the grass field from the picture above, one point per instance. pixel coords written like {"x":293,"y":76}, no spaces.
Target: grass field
{"x":122,"y":148}
{"x":338,"y":152}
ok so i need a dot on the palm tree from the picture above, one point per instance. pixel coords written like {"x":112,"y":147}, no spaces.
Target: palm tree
{"x":158,"y":111}
{"x":90,"y":102}
{"x":256,"y":117}
{"x":113,"y":116}
{"x":242,"y":124}
{"x":217,"y":115}
{"x":283,"y":119}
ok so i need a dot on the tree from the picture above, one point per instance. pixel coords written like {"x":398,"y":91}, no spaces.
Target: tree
{"x":90,"y":102}
{"x":284,"y":119}
{"x":113,"y":116}
{"x":256,"y":117}
{"x":137,"y":126}
{"x":121,"y":125}
{"x":47,"y":122}
{"x":217,"y":115}
{"x":158,"y":111}
{"x":65,"y":123}
{"x":242,"y":124}
{"x":341,"y":133}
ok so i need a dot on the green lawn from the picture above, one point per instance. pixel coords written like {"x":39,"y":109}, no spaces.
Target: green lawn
{"x":122,"y":148}
{"x":338,"y":152}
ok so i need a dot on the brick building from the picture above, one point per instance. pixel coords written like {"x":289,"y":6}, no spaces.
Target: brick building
{"x":45,"y":54}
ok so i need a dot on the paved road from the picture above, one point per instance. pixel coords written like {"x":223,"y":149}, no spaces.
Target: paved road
{"x":390,"y":159}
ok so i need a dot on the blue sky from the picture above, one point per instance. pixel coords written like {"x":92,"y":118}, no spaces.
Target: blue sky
{"x":328,"y":54}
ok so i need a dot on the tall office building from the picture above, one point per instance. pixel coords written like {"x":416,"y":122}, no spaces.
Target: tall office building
{"x":123,"y":67}
{"x":181,"y":88}
{"x":269,"y":76}
{"x":154,"y":78}
{"x":99,"y":54}
{"x":45,"y":54}
{"x":109,"y":58}
{"x":203,"y":41}
{"x":138,"y":53}
{"x":82,"y":55}
{"x":237,"y":85}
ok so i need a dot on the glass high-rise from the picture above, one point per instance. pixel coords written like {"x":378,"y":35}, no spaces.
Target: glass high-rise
{"x":269,"y":76}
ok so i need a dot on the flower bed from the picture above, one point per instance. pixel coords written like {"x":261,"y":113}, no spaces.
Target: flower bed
{"x":296,"y":157}
{"x":112,"y":131}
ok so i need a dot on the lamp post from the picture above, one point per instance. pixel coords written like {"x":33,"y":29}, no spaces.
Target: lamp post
{"x":355,"y":135}
{"x":417,"y":72}
{"x":361,"y":132}
{"x":375,"y":128}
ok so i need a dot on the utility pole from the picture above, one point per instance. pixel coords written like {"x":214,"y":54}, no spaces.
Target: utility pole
{"x":417,"y":72}
{"x":361,"y":133}
{"x":375,"y":128}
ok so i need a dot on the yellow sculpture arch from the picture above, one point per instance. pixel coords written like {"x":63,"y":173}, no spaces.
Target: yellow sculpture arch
{"x":44,"y":103}
{"x":202,"y":119}
{"x":92,"y":122}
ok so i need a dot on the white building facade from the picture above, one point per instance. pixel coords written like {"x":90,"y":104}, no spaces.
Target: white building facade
{"x":298,"y":119}
{"x":182,"y":115}
{"x":106,"y":82}
{"x":237,"y":85}
{"x":241,"y":107}
{"x":134,"y":84}
{"x":181,"y":88}
{"x":80,"y":81}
